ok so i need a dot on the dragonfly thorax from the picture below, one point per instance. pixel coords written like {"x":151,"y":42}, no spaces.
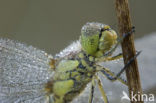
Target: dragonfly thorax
{"x":71,"y":77}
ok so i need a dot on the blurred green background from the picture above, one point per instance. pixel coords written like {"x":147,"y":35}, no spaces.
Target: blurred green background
{"x":51,"y":25}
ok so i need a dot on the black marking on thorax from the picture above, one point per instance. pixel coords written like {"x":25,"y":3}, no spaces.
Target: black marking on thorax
{"x":82,"y":69}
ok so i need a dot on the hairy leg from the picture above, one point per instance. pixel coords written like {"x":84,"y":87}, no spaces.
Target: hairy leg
{"x":111,"y":76}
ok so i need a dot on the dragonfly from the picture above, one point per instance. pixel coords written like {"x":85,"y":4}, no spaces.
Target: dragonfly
{"x":30,"y":75}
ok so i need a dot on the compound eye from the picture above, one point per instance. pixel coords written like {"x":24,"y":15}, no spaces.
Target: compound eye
{"x":113,"y":34}
{"x":107,"y":40}
{"x":110,"y":36}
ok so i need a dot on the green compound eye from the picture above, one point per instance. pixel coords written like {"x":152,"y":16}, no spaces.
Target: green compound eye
{"x":90,"y":43}
{"x":97,"y":38}
{"x":107,"y":40}
{"x":90,"y":37}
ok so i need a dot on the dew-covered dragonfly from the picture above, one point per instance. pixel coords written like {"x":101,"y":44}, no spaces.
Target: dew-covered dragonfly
{"x":30,"y":75}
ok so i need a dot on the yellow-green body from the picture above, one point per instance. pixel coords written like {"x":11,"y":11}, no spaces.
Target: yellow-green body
{"x":75,"y":71}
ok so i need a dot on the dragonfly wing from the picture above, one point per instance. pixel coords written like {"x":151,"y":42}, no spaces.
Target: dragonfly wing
{"x":23,"y":72}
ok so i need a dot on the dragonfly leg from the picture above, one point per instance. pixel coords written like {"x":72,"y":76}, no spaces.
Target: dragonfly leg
{"x":129,"y":62}
{"x":111,"y":76}
{"x":116,"y":57}
{"x":91,"y":91}
{"x":104,"y":96}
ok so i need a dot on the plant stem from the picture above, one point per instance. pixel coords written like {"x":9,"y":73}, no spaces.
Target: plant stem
{"x":132,"y":72}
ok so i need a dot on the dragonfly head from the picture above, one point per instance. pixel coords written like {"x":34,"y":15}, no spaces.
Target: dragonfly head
{"x":97,"y":38}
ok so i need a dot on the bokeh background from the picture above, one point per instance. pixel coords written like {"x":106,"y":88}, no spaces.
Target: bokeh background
{"x":51,"y":25}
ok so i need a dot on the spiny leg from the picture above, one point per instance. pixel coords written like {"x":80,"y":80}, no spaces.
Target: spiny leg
{"x":102,"y":90}
{"x":129,"y":62}
{"x":91,"y":91}
{"x":119,"y":41}
{"x":111,"y":76}
{"x":116,"y":57}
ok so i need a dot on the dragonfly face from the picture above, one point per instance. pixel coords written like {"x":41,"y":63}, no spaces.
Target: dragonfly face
{"x":97,"y":38}
{"x":25,"y":74}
